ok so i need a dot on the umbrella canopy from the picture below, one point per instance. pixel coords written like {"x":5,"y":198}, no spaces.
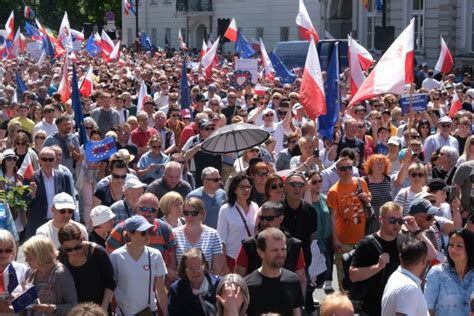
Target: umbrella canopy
{"x":233,"y":138}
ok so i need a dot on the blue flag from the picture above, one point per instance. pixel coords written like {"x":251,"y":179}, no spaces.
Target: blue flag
{"x":77,"y":106}
{"x":145,"y":41}
{"x":243,"y":47}
{"x":378,"y":5}
{"x":132,"y":6}
{"x":48,"y":47}
{"x":26,"y":298}
{"x":331,"y":87}
{"x":281,"y":71}
{"x":100,"y":150}
{"x":91,"y":47}
{"x":32,"y":32}
{"x":184,"y":87}
{"x":20,"y":84}
{"x":12,"y":279}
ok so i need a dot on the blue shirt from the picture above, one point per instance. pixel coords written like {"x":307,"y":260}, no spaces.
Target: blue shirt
{"x":213,"y":204}
{"x":446,"y":293}
{"x":147,"y":159}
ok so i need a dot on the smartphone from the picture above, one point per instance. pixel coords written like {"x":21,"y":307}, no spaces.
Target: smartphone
{"x":316,"y":153}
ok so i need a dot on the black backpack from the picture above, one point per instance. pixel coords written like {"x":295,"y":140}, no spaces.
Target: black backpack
{"x":357,"y":290}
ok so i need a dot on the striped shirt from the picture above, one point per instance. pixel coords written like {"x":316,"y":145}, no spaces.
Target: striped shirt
{"x":209,"y":243}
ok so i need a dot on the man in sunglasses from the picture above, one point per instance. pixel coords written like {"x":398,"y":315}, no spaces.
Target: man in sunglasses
{"x":440,"y":139}
{"x":47,"y":123}
{"x":63,"y":210}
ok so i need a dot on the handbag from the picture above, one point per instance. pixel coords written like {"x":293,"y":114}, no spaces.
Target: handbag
{"x":147,"y":311}
{"x":369,"y":211}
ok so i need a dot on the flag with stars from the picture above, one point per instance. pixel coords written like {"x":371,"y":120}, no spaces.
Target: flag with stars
{"x":100,"y":150}
{"x":77,"y":107}
{"x":25,"y":299}
{"x":281,"y":71}
{"x":12,"y":279}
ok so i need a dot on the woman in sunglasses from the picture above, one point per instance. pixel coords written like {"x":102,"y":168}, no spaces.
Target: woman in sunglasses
{"x":194,"y":234}
{"x":39,"y":137}
{"x":21,"y":146}
{"x":11,"y":180}
{"x":259,"y":173}
{"x":418,"y":178}
{"x":274,"y":188}
{"x":424,"y":129}
{"x":109,"y":192}
{"x":89,"y":265}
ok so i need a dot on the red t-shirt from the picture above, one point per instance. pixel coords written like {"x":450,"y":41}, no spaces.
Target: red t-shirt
{"x":140,"y":137}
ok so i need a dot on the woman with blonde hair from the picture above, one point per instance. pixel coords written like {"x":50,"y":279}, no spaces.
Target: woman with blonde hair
{"x":232,"y":296}
{"x":171,"y":206}
{"x":468,"y":153}
{"x":418,"y":176}
{"x":53,"y":281}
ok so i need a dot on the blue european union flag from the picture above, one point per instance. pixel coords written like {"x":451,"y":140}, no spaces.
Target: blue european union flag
{"x":145,"y":41}
{"x":100,"y":150}
{"x":32,"y":31}
{"x":243,"y":46}
{"x":281,"y":71}
{"x":331,"y":87}
{"x":184,"y":87}
{"x":48,"y":47}
{"x":12,"y":279}
{"x":77,"y":106}
{"x":20,"y":84}
{"x":91,"y":47}
{"x":25,"y":299}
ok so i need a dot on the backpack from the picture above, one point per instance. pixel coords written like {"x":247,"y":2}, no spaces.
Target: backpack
{"x":357,"y":290}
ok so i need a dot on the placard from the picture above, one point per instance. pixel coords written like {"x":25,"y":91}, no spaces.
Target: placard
{"x":251,"y":65}
{"x":419,"y":102}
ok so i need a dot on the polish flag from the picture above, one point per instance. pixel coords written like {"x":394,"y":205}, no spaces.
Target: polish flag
{"x":231,"y":32}
{"x":182,"y":44}
{"x":312,"y":95}
{"x":87,"y":84}
{"x":445,"y":61}
{"x":357,"y":74}
{"x":115,"y":54}
{"x":142,"y":96}
{"x":10,"y":27}
{"x":16,"y":47}
{"x":260,"y":89}
{"x":65,"y":86}
{"x":26,"y":170}
{"x":64,"y":34}
{"x":394,"y":69}
{"x":209,"y":44}
{"x":267,"y":63}
{"x":306,"y":27}
{"x":106,"y":44}
{"x":456,"y":105}
{"x":77,"y":36}
{"x":210,"y":59}
{"x":365,"y":58}
{"x":203,"y":49}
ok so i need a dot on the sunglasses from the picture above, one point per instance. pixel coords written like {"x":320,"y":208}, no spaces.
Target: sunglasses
{"x":395,"y":220}
{"x":66,"y":210}
{"x":262,"y":173}
{"x":276,"y":186}
{"x":268,"y":218}
{"x":7,"y":250}
{"x":209,"y":129}
{"x":268,"y":114}
{"x":419,"y":175}
{"x":20,"y":144}
{"x":214,"y":179}
{"x":445,"y":125}
{"x":191,"y":213}
{"x":299,"y":185}
{"x":40,"y":137}
{"x":117,"y":176}
{"x":345,"y":168}
{"x":68,"y":250}
{"x":88,"y":127}
{"x":316,"y":181}
{"x":46,"y":159}
{"x":148,"y":209}
{"x":175,"y":115}
{"x":156,"y":147}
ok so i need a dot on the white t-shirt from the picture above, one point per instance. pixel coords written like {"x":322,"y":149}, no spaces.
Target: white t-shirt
{"x":51,"y":231}
{"x":278,"y":132}
{"x":132,"y":279}
{"x":403,"y":295}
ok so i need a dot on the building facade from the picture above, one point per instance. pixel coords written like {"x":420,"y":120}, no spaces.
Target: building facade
{"x":274,"y":21}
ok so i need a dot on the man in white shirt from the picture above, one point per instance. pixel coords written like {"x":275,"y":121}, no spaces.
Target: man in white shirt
{"x":430,"y":82}
{"x":402,"y":294}
{"x":440,"y":139}
{"x":63,"y":209}
{"x":47,"y":123}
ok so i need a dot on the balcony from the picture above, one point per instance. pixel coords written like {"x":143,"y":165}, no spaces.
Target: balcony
{"x":194,"y":7}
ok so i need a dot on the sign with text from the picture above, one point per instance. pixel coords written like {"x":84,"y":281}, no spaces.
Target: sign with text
{"x":251,"y":65}
{"x":418,"y":104}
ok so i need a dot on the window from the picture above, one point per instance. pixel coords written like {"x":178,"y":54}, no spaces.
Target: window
{"x":418,"y":14}
{"x":153,"y":36}
{"x":372,"y":15}
{"x":167,"y":37}
{"x":284,"y":33}
{"x":259,"y":32}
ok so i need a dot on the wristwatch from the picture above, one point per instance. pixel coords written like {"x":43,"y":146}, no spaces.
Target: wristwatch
{"x":417,"y":232}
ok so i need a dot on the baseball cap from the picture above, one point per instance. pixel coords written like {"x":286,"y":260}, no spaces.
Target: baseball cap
{"x":185,"y":114}
{"x":148,"y":99}
{"x":101,"y":214}
{"x":394,"y":141}
{"x":137,"y":223}
{"x":201,"y":97}
{"x":422,"y":206}
{"x":205,"y":123}
{"x":267,"y":110}
{"x":63,"y":201}
{"x":133,"y":183}
{"x":470,"y":92}
{"x":296,"y":107}
{"x":438,"y":185}
{"x":9,"y":153}
{"x":445,"y":119}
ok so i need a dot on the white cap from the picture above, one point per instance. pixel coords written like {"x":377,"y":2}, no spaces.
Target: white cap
{"x":394,"y":141}
{"x":133,"y":183}
{"x":63,"y":201}
{"x":101,"y":214}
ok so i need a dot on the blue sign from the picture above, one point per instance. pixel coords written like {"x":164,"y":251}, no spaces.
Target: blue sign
{"x":418,"y":104}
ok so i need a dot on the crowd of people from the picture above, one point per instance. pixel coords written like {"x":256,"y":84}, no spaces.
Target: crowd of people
{"x":163,"y":227}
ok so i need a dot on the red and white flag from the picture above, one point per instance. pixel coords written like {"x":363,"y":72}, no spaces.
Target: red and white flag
{"x":267,"y":63}
{"x":142,"y":96}
{"x":365,"y":57}
{"x":305,"y":25}
{"x":26,"y":170}
{"x":456,"y":105}
{"x":115,"y":54}
{"x":445,"y":61}
{"x":16,"y":47}
{"x":209,"y":59}
{"x":358,"y":62}
{"x":231,"y":32}
{"x":87,"y":84}
{"x":394,"y":69}
{"x":203,"y":49}
{"x":182,"y":44}
{"x":260,"y":89}
{"x":65,"y":85}
{"x":127,"y":7}
{"x":312,"y":95}
{"x":64,"y":34}
{"x":77,"y":36}
{"x":106,"y":44}
{"x":10,"y":27}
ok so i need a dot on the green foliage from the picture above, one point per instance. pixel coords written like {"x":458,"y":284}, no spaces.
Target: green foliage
{"x":15,"y":196}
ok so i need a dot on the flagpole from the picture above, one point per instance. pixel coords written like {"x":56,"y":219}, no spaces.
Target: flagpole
{"x":136,"y":17}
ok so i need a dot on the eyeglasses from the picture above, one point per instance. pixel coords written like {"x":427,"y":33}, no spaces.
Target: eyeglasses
{"x":7,"y":250}
{"x":148,"y":209}
{"x":445,"y":125}
{"x":191,"y":213}
{"x":20,"y":144}
{"x":316,"y":181}
{"x":268,"y":114}
{"x":262,"y":173}
{"x":395,"y":220}
{"x":66,"y":210}
{"x":419,"y":175}
{"x":198,"y":269}
{"x":298,"y":185}
{"x":46,"y":159}
{"x":117,"y":176}
{"x":276,"y":186}
{"x":40,"y":137}
{"x":345,"y":168}
{"x":209,"y":129}
{"x":268,"y":218}
{"x":214,"y":179}
{"x":77,"y":248}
